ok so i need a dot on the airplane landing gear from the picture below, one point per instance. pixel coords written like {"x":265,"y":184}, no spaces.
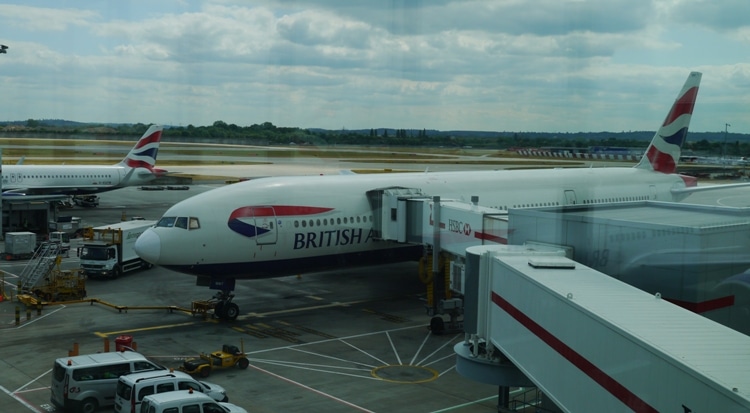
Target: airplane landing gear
{"x":225,"y":309}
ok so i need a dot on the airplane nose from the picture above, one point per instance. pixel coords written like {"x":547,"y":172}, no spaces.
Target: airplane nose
{"x":148,"y":246}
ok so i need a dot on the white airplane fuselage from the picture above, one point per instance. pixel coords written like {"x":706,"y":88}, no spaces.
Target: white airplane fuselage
{"x":281,"y":226}
{"x":71,"y":179}
{"x":38,"y":181}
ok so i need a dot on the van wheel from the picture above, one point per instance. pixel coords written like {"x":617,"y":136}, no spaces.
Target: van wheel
{"x":89,"y":406}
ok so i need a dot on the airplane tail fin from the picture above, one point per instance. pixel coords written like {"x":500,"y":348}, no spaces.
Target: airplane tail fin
{"x":663,"y":153}
{"x":143,"y":154}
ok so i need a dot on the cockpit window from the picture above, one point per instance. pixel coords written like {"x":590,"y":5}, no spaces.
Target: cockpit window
{"x":194,"y":223}
{"x":181,"y":222}
{"x":166,"y":222}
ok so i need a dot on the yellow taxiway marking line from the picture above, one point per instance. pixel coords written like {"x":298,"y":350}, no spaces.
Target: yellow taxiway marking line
{"x":110,"y":333}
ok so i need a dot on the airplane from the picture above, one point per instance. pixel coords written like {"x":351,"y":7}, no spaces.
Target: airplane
{"x":37,"y":182}
{"x":280,"y":226}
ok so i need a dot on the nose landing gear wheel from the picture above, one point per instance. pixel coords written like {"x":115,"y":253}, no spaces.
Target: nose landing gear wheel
{"x":231,"y":311}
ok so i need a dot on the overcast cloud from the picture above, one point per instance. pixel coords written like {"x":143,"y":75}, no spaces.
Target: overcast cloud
{"x":503,"y":65}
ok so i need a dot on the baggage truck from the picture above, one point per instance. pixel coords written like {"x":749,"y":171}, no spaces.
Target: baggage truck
{"x":108,"y":252}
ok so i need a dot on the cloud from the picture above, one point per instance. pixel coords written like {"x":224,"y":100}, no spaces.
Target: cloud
{"x":447,"y":64}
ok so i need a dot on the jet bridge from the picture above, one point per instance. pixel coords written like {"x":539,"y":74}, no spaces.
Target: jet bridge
{"x":534,"y":317}
{"x":407,"y":215}
{"x":593,"y":343}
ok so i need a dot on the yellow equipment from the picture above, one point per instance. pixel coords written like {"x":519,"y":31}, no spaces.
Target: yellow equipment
{"x":228,"y":356}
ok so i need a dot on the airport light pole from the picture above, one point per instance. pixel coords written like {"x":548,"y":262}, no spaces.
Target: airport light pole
{"x":724,"y":147}
{"x":3,"y":50}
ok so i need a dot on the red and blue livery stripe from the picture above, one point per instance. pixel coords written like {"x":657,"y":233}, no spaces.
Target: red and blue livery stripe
{"x":242,"y":219}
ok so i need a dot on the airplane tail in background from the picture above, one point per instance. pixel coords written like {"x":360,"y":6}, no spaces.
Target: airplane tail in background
{"x":663,"y":153}
{"x":143,"y":154}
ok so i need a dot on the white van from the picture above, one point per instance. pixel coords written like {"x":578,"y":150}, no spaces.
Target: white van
{"x":186,"y":401}
{"x":132,"y":388}
{"x":82,"y":384}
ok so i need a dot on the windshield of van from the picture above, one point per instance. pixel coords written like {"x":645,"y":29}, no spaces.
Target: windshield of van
{"x":123,"y":390}
{"x":58,"y":373}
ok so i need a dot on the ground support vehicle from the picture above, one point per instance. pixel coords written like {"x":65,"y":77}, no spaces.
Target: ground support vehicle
{"x":59,"y":285}
{"x":228,"y":356}
{"x":87,"y":382}
{"x":19,"y":245}
{"x":68,"y":224}
{"x":62,"y":238}
{"x":108,"y":251}
{"x":186,"y":401}
{"x":88,"y":201}
{"x":221,"y":304}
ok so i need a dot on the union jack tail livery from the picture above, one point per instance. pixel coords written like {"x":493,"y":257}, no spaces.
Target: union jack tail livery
{"x":143,"y":154}
{"x":663,"y":153}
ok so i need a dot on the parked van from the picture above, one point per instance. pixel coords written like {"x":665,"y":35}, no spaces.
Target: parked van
{"x":186,"y":401}
{"x":82,"y":384}
{"x":132,"y":388}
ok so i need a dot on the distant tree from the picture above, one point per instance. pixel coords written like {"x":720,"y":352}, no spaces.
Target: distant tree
{"x":32,"y":123}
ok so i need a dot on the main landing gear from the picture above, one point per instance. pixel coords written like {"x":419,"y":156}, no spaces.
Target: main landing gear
{"x":225,"y":309}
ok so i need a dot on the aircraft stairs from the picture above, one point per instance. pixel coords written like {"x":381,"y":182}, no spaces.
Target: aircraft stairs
{"x":39,"y":266}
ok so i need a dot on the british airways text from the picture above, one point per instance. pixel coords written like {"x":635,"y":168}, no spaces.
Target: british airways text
{"x":333,"y":238}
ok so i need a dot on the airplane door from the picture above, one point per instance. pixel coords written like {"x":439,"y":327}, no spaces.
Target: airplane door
{"x":570,"y":197}
{"x":265,"y":221}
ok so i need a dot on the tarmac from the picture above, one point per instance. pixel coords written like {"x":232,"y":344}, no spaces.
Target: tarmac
{"x":341,"y":341}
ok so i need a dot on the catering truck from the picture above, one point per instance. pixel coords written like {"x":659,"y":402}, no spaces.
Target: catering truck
{"x":108,"y":252}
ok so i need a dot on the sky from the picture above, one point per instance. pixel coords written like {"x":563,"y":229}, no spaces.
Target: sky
{"x":489,"y":65}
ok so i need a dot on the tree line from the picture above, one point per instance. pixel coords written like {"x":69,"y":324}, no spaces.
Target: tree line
{"x":266,"y":133}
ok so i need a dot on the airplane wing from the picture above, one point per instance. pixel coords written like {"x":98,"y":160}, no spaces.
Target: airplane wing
{"x":23,"y":197}
{"x":51,"y":191}
{"x":692,"y":189}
